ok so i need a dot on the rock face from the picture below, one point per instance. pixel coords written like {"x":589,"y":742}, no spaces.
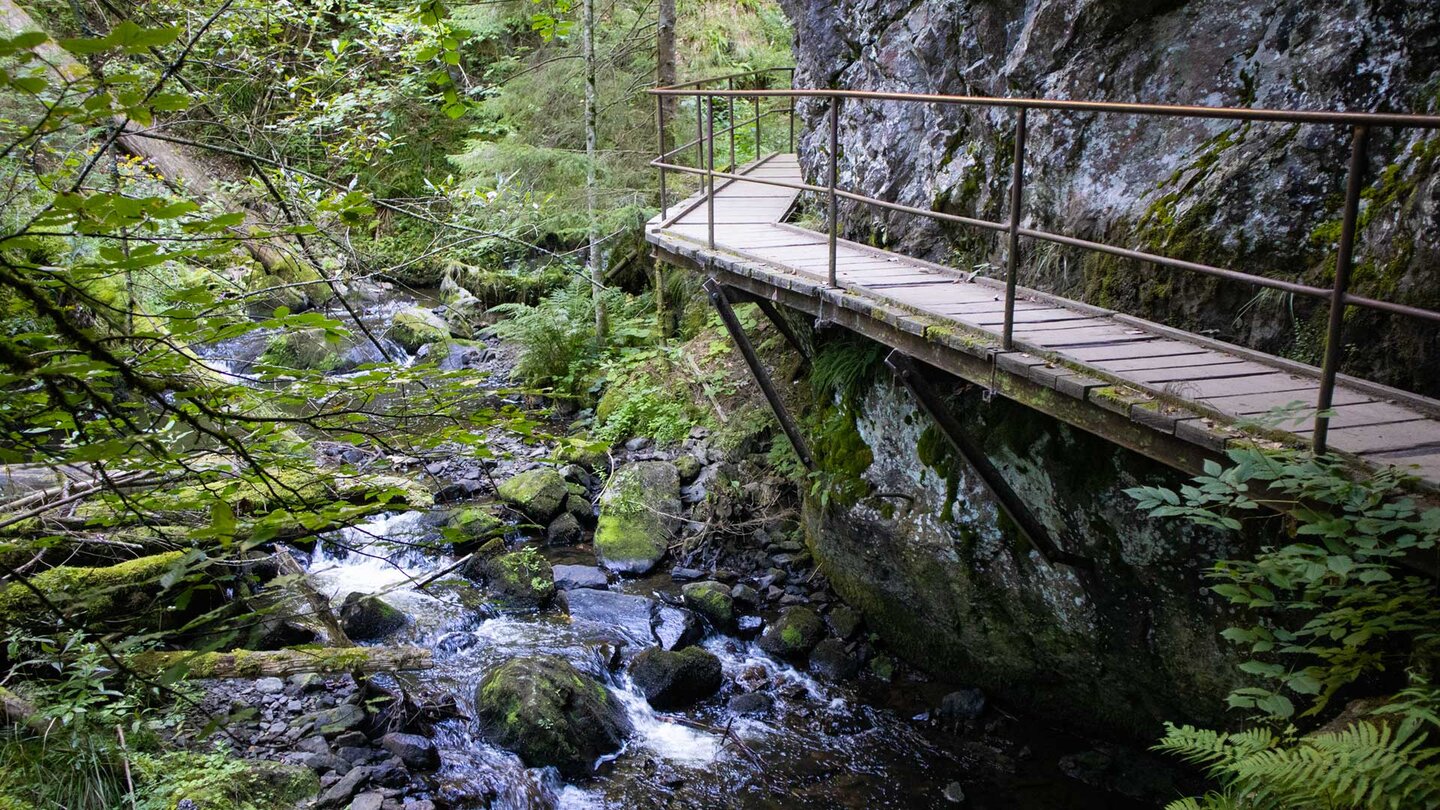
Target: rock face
{"x":956,"y":591}
{"x":1261,"y":197}
{"x":638,"y":516}
{"x":674,"y":680}
{"x":539,"y":493}
{"x":549,"y":713}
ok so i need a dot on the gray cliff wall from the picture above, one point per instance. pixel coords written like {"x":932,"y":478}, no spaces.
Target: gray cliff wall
{"x":1262,"y":198}
{"x":956,"y":590}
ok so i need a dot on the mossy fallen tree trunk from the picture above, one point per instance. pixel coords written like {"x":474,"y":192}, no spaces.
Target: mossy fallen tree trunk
{"x":259,"y":664}
{"x":127,"y":592}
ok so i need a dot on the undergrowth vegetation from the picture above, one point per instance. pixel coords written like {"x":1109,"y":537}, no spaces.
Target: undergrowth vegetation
{"x":1343,"y":610}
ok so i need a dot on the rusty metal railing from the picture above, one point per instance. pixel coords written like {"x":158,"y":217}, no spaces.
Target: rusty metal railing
{"x":1338,"y":295}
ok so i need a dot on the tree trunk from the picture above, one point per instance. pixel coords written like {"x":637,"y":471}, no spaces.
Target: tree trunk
{"x":190,"y":173}
{"x":665,"y":63}
{"x":280,"y":663}
{"x":597,"y":259}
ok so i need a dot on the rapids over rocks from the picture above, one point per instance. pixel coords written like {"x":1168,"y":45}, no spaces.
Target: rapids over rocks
{"x":845,"y":726}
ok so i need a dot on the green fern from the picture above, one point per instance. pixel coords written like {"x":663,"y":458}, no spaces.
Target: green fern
{"x":1364,"y":765}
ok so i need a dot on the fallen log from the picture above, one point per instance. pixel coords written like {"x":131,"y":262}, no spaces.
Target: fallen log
{"x":280,"y":663}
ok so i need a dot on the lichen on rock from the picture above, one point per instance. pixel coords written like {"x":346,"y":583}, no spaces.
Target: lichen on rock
{"x":414,"y":327}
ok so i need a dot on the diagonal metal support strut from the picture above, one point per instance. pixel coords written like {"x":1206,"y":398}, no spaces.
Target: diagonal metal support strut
{"x":721,"y":301}
{"x":1010,"y":502}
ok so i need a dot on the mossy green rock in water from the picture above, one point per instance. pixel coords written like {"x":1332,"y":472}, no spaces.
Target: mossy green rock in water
{"x":475,"y":523}
{"x":520,"y":580}
{"x":794,"y":634}
{"x":674,"y":680}
{"x":414,"y":327}
{"x":539,"y":493}
{"x":711,"y":600}
{"x":306,"y":349}
{"x":546,"y":711}
{"x":365,"y":617}
{"x":638,"y":516}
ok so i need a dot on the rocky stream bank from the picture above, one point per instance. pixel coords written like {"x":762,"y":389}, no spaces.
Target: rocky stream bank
{"x":643,"y":628}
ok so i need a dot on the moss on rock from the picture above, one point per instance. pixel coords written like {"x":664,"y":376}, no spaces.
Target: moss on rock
{"x":674,"y":680}
{"x":520,"y":580}
{"x":539,"y":493}
{"x":549,"y":713}
{"x":475,"y":523}
{"x":711,"y":600}
{"x":414,"y":327}
{"x":638,"y":516}
{"x":302,"y":349}
{"x":794,"y":634}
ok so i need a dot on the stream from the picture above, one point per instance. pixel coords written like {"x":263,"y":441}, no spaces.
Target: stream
{"x":812,"y":743}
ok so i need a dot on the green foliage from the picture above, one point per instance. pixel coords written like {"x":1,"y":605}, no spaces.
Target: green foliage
{"x":557,"y":340}
{"x":844,"y":368}
{"x":644,"y":408}
{"x":1336,"y":606}
{"x":1364,"y":765}
{"x":1337,"y":603}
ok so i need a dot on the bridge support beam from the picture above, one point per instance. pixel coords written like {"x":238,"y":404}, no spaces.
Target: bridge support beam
{"x":1010,"y":502}
{"x":772,"y":312}
{"x":721,"y":301}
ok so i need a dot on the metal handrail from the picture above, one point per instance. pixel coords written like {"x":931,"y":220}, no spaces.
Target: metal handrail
{"x":1339,"y":296}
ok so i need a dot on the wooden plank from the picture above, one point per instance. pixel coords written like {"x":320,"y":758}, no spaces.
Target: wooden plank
{"x":1371,"y":413}
{"x":1255,"y":404}
{"x":1154,"y":348}
{"x":1396,"y":436}
{"x":1094,"y":335}
{"x":1187,"y":372}
{"x":1197,"y":357}
{"x":1053,"y":315}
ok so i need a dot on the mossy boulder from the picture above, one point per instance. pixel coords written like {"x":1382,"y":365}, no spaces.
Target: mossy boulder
{"x":539,"y":493}
{"x":475,"y":524}
{"x":213,"y":781}
{"x":674,"y":680}
{"x":414,"y":327}
{"x":794,"y":634}
{"x":518,"y":580}
{"x":302,"y":349}
{"x":365,"y":617}
{"x":638,"y":516}
{"x":549,"y":713}
{"x":711,"y":600}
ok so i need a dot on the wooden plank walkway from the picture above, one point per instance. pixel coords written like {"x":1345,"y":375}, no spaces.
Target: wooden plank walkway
{"x":1182,"y":386}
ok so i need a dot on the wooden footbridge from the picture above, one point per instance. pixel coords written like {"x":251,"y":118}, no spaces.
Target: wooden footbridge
{"x":1177,"y":397}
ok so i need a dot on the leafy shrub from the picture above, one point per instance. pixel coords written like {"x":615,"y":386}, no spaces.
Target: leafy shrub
{"x":1337,"y":607}
{"x":645,"y":409}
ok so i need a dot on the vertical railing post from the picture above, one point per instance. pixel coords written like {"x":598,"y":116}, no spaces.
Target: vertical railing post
{"x":699,"y":131}
{"x":710,"y":167}
{"x":832,"y":217}
{"x":1012,"y":258}
{"x":660,"y":129}
{"x":793,"y":99}
{"x":1344,"y":259}
{"x":759,"y":152}
{"x":731,"y":126}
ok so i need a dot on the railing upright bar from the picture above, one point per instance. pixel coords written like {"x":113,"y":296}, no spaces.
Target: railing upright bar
{"x":833,"y":218}
{"x":660,"y":133}
{"x":731,"y":126}
{"x":1012,"y":257}
{"x":792,"y":112}
{"x":710,"y":168}
{"x":699,"y":135}
{"x":759,"y":151}
{"x":1344,"y":259}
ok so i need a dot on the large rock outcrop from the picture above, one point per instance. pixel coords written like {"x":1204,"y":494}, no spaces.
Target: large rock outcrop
{"x":1262,"y":198}
{"x":1115,"y":646}
{"x":550,"y":713}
